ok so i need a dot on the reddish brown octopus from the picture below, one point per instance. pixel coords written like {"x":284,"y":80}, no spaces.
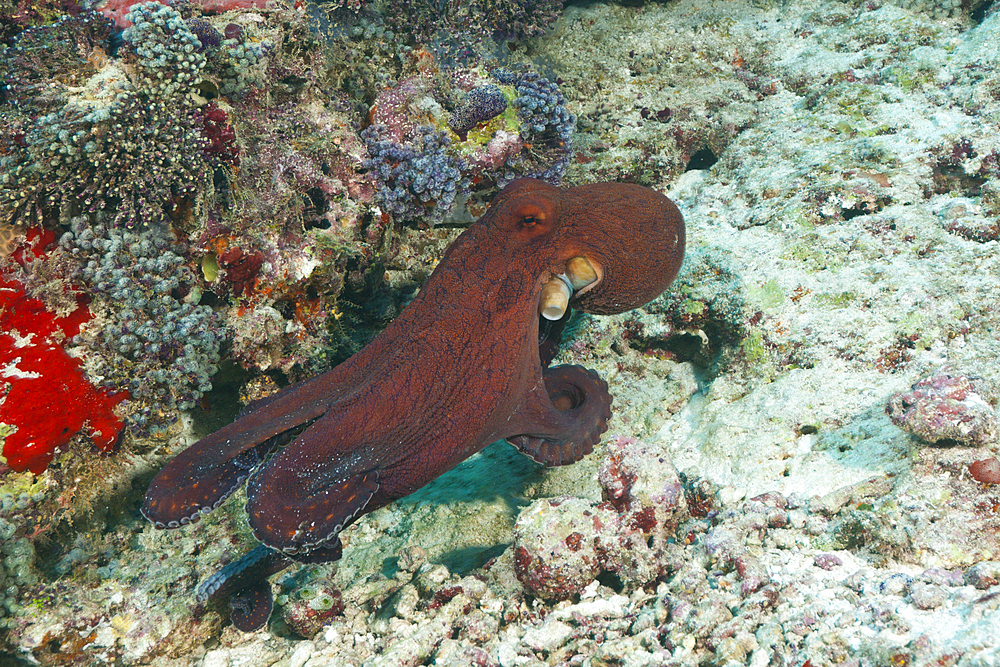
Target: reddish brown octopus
{"x":464,"y":365}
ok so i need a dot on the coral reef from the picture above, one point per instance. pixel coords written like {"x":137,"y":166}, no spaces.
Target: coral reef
{"x":130,"y":137}
{"x":151,"y":153}
{"x":838,"y":166}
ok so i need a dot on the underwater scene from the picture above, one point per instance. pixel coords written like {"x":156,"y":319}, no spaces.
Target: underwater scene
{"x":499,"y":333}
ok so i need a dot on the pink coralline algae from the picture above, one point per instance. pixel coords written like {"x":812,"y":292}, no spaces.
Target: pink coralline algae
{"x":562,"y":544}
{"x":639,"y":481}
{"x":947,"y":406}
{"x":242,"y":268}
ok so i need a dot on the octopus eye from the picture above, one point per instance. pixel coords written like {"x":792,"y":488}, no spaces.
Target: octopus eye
{"x":530,"y":217}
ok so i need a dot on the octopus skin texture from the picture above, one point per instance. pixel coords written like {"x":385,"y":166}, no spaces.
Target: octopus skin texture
{"x":464,"y":365}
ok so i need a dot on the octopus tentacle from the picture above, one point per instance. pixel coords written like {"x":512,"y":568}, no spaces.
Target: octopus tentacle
{"x":308,"y":514}
{"x":581,"y":407}
{"x":202,"y":476}
{"x":244,"y":582}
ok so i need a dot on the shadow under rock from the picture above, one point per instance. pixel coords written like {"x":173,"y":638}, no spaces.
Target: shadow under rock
{"x":500,"y":475}
{"x":498,"y":471}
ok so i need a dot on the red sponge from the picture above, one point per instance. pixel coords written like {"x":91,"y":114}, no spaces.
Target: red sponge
{"x":43,"y":391}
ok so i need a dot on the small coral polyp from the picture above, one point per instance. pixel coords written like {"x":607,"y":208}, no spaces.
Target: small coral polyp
{"x":159,"y":346}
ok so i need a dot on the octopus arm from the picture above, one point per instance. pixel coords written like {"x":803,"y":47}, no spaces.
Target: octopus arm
{"x":314,"y":488}
{"x":244,"y":582}
{"x":198,"y":479}
{"x":562,"y":420}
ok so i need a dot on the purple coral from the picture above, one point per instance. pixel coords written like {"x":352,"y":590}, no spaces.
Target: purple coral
{"x":542,"y":106}
{"x":548,"y":126}
{"x":947,"y":406}
{"x":418,"y":180}
{"x":208,"y":37}
{"x":408,"y":125}
{"x":480,"y":105}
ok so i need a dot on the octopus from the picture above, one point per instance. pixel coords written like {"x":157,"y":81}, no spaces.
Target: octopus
{"x":464,"y":365}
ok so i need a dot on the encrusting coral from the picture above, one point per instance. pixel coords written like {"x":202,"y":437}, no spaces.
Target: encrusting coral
{"x":46,"y":397}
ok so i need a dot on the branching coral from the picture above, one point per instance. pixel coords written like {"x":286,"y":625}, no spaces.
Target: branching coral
{"x":129,"y":140}
{"x":548,"y":128}
{"x":46,"y":62}
{"x":167,"y":53}
{"x":99,"y":160}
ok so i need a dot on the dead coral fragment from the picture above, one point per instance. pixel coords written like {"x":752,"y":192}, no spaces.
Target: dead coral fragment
{"x":947,"y":407}
{"x":986,"y":471}
{"x":563,"y":544}
{"x":558,"y":546}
